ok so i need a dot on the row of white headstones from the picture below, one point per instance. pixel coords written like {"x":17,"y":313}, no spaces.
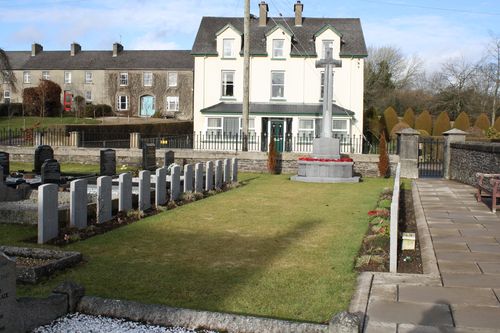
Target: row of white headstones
{"x":197,"y":178}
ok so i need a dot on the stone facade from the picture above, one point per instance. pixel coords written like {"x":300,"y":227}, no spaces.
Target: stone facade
{"x":471,"y":157}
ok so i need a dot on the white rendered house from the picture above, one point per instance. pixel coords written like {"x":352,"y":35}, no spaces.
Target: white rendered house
{"x":286,"y":88}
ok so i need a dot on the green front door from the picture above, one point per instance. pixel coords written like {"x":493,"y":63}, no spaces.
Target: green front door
{"x":277,"y":134}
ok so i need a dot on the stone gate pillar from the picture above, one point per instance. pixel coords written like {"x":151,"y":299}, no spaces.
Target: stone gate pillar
{"x":408,"y":152}
{"x":453,"y":135}
{"x":74,"y":139}
{"x":135,"y":140}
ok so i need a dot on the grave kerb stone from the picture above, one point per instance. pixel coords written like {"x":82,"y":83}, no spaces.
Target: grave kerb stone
{"x":198,"y":177}
{"x":188,"y":178}
{"x":125,"y":192}
{"x":144,"y":190}
{"x":161,"y":187}
{"x":48,"y":223}
{"x":78,"y":204}
{"x":8,"y":306}
{"x":175,"y":183}
{"x":209,"y":176}
{"x":104,"y":199}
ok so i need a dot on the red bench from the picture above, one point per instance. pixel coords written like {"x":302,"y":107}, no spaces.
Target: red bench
{"x":488,"y":184}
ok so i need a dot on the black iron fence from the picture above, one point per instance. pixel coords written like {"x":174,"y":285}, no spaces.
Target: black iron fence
{"x":31,"y":137}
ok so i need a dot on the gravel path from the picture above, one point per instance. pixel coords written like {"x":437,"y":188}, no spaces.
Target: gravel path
{"x":80,"y":323}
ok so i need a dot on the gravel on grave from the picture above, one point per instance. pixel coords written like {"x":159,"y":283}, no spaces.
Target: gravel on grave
{"x":91,"y":324}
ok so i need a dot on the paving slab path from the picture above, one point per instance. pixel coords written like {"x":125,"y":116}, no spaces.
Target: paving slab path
{"x":460,"y":288}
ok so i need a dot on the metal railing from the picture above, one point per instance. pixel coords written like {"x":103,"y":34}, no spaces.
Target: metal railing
{"x":31,"y":137}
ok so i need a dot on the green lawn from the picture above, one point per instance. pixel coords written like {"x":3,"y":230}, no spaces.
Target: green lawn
{"x":67,"y":167}
{"x":270,"y":248}
{"x":28,"y":122}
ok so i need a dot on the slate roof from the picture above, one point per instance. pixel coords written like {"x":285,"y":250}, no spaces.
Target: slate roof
{"x":350,"y":28}
{"x":290,"y":109}
{"x":88,"y":60}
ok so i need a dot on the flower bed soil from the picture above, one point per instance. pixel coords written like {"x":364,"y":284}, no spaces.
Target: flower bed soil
{"x":408,"y":261}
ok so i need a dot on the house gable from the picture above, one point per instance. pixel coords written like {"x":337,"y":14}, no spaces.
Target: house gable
{"x":229,"y":32}
{"x":276,"y":33}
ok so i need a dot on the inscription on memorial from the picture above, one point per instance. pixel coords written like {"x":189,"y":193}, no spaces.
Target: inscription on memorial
{"x":149,"y":157}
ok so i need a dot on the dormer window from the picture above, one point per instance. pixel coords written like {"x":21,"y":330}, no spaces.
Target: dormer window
{"x":228,"y":48}
{"x":278,"y":45}
{"x":327,"y":52}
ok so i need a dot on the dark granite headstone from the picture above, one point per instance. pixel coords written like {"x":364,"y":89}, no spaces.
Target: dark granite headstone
{"x":42,"y":153}
{"x":51,"y":172}
{"x":149,"y":157}
{"x":4,"y":163}
{"x":169,"y":158}
{"x":108,"y":162}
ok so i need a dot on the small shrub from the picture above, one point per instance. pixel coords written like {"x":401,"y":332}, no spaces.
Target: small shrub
{"x":98,"y":110}
{"x":424,"y":122}
{"x":462,"y":122}
{"x":385,"y":203}
{"x":409,"y":117}
{"x":497,"y":124}
{"x":390,"y":118}
{"x":442,"y":124}
{"x":492,"y":133}
{"x":383,"y":161}
{"x":482,"y":122}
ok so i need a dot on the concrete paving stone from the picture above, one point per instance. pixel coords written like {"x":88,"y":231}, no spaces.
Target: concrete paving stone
{"x":387,"y":292}
{"x":486,"y":248}
{"x":440,"y":224}
{"x":398,"y":278}
{"x":487,"y":217}
{"x":476,"y":316}
{"x":458,"y":267}
{"x":468,"y":240}
{"x":372,"y":326}
{"x":470,"y":280}
{"x":410,"y":313}
{"x":451,"y":247}
{"x":480,"y":233}
{"x":490,"y":267}
{"x":447,"y":295}
{"x":466,"y":256}
{"x":408,"y":328}
{"x":444,"y":232}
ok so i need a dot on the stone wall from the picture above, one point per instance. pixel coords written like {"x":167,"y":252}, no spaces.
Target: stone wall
{"x":364,"y":165}
{"x":471,"y":157}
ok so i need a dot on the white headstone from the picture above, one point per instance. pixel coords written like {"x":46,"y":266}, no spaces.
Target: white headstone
{"x":8,"y":322}
{"x":188,"y":178}
{"x":125,"y":192}
{"x":198,"y":177}
{"x":48,"y":223}
{"x":78,"y":204}
{"x":227,"y":171}
{"x":218,"y":174}
{"x":104,"y":204}
{"x":234,"y":173}
{"x":161,"y":187}
{"x":144,"y":190}
{"x":209,"y":176}
{"x":175,"y":183}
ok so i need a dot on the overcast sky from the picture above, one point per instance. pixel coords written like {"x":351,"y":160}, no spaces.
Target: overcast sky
{"x":434,"y":30}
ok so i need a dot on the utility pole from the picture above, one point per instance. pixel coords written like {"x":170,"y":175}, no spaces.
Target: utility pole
{"x":246,"y":76}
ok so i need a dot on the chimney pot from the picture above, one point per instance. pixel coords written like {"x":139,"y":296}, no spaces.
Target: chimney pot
{"x":263,"y":9}
{"x":75,"y":48}
{"x":35,"y":49}
{"x":117,"y":48}
{"x":298,"y":8}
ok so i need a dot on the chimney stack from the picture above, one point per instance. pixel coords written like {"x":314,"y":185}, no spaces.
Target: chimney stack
{"x":117,"y":48}
{"x":263,"y":9}
{"x":35,"y":49}
{"x":75,"y":48}
{"x":298,"y":8}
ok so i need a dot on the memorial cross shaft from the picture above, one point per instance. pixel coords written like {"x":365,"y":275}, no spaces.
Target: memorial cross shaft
{"x":328,"y":64}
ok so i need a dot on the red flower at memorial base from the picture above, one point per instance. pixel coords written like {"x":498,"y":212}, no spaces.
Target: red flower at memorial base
{"x":313,"y":159}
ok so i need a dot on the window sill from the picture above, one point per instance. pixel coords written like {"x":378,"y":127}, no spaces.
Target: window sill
{"x":228,"y":98}
{"x":279,"y":59}
{"x":278,"y":99}
{"x":227,"y":58}
{"x":172,"y":111}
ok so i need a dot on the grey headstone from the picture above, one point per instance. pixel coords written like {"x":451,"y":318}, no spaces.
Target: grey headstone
{"x":5,"y":163}
{"x":198,"y":177}
{"x":104,"y":204}
{"x":149,"y":157}
{"x":108,"y":162}
{"x":188,"y":178}
{"x":209,"y":176}
{"x":78,"y":204}
{"x":51,"y":172}
{"x":175,"y":183}
{"x":8,"y":322}
{"x":42,"y":153}
{"x":125,"y":192}
{"x":48,"y":223}
{"x":227,"y":171}
{"x":169,"y":158}
{"x":234,"y":172}
{"x":218,"y":174}
{"x":144,"y":190}
{"x":161,"y":187}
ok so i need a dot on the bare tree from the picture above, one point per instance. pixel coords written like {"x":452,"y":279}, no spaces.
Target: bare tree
{"x":458,"y":74}
{"x":493,"y":73}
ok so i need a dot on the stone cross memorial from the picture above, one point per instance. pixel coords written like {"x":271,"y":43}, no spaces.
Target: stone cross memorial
{"x":149,"y":157}
{"x":7,"y":295}
{"x":5,"y":163}
{"x":108,"y":162}
{"x":42,"y":153}
{"x":51,"y":172}
{"x":169,"y":158}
